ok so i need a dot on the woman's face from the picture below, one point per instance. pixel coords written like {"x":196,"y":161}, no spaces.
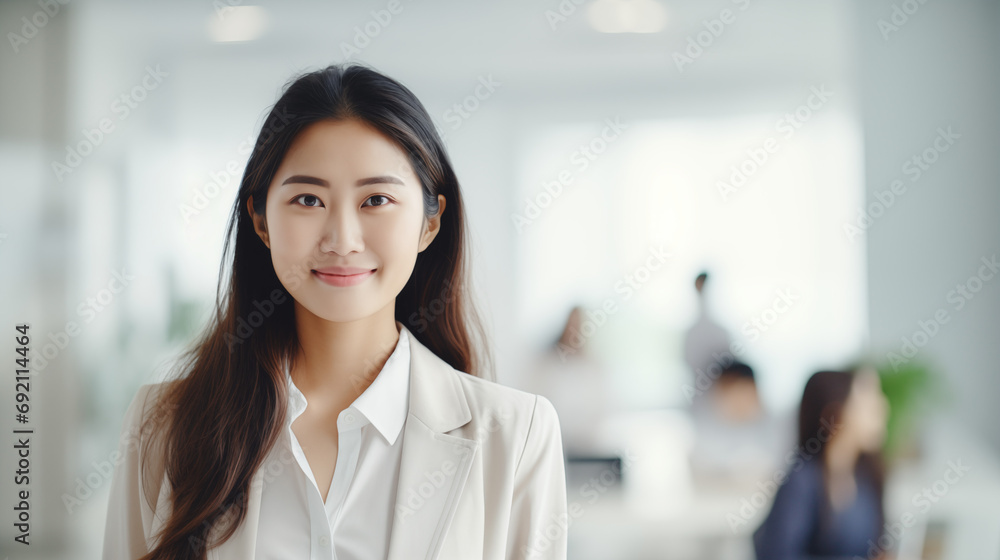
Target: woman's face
{"x":345,"y":196}
{"x":866,"y":411}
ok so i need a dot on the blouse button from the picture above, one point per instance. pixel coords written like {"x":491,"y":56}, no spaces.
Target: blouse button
{"x":324,"y":540}
{"x":349,"y":418}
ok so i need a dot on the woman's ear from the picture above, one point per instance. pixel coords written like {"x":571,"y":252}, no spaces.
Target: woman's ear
{"x":259,"y":225}
{"x":433,"y":225}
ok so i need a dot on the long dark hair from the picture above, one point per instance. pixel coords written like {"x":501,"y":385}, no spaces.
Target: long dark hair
{"x":822,"y":409}
{"x":215,"y":423}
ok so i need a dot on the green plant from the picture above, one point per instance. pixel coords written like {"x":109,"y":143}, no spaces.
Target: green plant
{"x":912,"y":389}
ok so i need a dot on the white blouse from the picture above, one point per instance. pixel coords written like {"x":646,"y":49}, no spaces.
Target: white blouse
{"x":355,"y":521}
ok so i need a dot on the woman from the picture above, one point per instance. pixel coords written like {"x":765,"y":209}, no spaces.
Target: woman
{"x":334,"y":406}
{"x":830,"y":504}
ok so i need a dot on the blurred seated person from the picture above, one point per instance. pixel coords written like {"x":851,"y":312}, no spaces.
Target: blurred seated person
{"x":829,"y":504}
{"x":736,"y":440}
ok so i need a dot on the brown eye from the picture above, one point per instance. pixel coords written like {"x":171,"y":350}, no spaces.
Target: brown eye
{"x":311,"y":200}
{"x":384,"y":198}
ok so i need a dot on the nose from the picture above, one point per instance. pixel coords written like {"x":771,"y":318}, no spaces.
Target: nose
{"x":343,"y":233}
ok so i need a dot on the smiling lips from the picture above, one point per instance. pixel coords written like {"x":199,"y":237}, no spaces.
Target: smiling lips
{"x":343,"y":275}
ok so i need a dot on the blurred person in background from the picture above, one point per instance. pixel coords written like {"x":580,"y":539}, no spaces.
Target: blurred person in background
{"x":706,"y":343}
{"x":830,"y":504}
{"x":737,"y":440}
{"x":576,"y":383}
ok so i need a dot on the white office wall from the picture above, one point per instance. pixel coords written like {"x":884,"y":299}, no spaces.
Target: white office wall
{"x":939,"y":70}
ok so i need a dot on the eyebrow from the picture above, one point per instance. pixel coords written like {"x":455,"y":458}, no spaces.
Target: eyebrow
{"x":310,"y":180}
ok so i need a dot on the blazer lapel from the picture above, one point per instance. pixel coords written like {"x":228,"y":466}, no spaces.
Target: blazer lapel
{"x":435,"y":465}
{"x":433,"y":471}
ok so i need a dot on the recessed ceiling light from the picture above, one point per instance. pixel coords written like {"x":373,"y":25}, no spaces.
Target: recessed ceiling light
{"x":237,"y":23}
{"x":626,"y":16}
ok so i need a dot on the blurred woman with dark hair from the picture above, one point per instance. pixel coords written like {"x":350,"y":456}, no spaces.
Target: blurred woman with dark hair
{"x":830,"y":503}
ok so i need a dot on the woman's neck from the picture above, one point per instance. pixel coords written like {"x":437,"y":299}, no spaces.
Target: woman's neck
{"x":841,"y":456}
{"x":338,"y":361}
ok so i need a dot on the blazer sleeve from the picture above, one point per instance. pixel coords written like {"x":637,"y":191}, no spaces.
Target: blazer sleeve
{"x":124,"y":536}
{"x":538,"y":515}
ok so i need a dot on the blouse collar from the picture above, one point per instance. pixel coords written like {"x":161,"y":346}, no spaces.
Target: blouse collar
{"x":384,"y":403}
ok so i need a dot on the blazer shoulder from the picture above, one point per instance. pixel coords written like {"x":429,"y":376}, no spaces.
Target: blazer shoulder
{"x":484,"y":393}
{"x":145,"y":396}
{"x":135,"y":433}
{"x":515,"y":415}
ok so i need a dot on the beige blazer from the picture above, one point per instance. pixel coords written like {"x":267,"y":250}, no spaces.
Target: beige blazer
{"x":482,"y":476}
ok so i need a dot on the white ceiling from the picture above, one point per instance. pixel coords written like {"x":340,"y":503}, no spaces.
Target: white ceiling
{"x":440,"y":47}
